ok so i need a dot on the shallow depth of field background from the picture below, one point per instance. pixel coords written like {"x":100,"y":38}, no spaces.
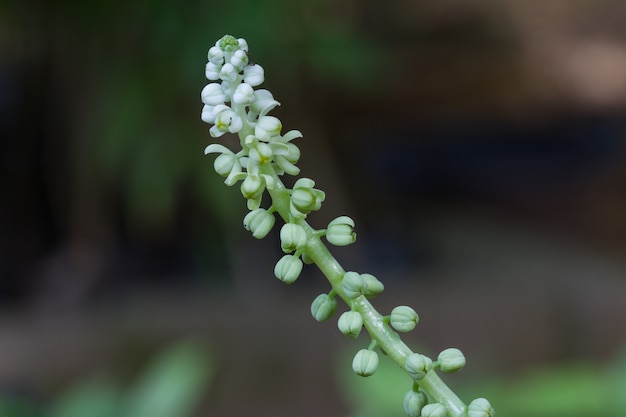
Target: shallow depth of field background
{"x":479,"y":146}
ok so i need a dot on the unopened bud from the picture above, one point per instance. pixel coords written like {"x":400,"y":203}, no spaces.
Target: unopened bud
{"x":340,"y":232}
{"x":288,"y":269}
{"x":450,"y":360}
{"x":365,"y":362}
{"x":350,"y":324}
{"x":323,"y":307}
{"x":259,"y":222}
{"x":417,"y":366}
{"x":403,"y":318}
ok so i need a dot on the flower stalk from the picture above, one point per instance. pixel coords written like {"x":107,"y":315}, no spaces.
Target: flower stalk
{"x":232,"y":104}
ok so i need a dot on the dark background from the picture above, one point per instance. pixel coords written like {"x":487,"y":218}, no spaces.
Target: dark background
{"x":480,"y":147}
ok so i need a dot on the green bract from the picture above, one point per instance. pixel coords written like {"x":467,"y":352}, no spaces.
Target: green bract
{"x":292,"y":237}
{"x":259,"y":222}
{"x":323,"y":307}
{"x":417,"y":366}
{"x":340,"y":232}
{"x":480,"y":407}
{"x":413,"y":403}
{"x":451,"y":360}
{"x":350,"y":323}
{"x":365,"y":362}
{"x":288,"y":268}
{"x":403,"y":318}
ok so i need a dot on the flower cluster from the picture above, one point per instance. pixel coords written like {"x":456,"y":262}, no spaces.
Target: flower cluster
{"x":234,"y":104}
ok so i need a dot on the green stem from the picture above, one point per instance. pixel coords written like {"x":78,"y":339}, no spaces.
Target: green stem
{"x":386,"y":338}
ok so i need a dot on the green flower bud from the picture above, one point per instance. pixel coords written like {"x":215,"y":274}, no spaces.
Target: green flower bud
{"x":228,"y":43}
{"x":292,"y":237}
{"x":306,"y":259}
{"x":252,"y":187}
{"x":288,"y":269}
{"x":434,"y":410}
{"x":480,"y":407}
{"x":323,"y":307}
{"x":417,"y":365}
{"x":353,"y":284}
{"x":450,"y":360}
{"x":413,"y":403}
{"x":365,"y":362}
{"x":373,"y":286}
{"x":340,"y":232}
{"x":259,"y":222}
{"x":403,"y":318}
{"x":350,"y":323}
{"x":225,"y":163}
{"x":305,"y":198}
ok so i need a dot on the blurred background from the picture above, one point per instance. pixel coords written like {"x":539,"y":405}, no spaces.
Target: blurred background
{"x":479,"y":146}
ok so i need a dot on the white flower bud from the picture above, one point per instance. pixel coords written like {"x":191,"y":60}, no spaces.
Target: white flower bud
{"x":239,"y":59}
{"x":434,"y":410}
{"x":242,"y":44}
{"x":403,"y":318}
{"x":212,"y":71}
{"x":450,"y":360}
{"x":288,"y":268}
{"x":365,"y":362}
{"x":292,"y":237}
{"x":353,"y":284}
{"x":228,"y":72}
{"x":252,"y":187}
{"x":259,"y":222}
{"x":413,"y":403}
{"x":254,"y":75}
{"x":225,"y":163}
{"x":417,"y":365}
{"x":244,"y":94}
{"x":208,"y":115}
{"x":212,"y":94}
{"x":350,"y":324}
{"x":266,"y":127}
{"x":216,"y":55}
{"x":340,"y":232}
{"x":480,"y":407}
{"x":323,"y":307}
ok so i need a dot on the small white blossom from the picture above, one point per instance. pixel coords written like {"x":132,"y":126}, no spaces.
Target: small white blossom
{"x":242,"y":44}
{"x":254,"y":75}
{"x":213,"y":94}
{"x":226,"y":121}
{"x":263,"y":102}
{"x":244,"y":94}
